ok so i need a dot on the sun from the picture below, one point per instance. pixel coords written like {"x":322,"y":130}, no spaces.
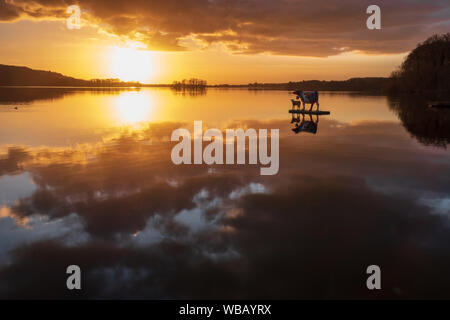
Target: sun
{"x":131,"y":64}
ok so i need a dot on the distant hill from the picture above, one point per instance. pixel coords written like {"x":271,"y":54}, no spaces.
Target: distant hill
{"x":23,"y":76}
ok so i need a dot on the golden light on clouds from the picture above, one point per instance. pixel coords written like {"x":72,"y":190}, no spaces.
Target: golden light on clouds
{"x":219,"y":41}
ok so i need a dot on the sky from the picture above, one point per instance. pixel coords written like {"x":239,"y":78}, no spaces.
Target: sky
{"x":221,"y":41}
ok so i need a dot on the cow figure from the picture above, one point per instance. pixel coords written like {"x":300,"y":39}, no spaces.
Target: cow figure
{"x":295,"y":103}
{"x":311,"y":97}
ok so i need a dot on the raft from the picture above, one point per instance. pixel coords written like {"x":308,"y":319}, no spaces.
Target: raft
{"x":309,"y":112}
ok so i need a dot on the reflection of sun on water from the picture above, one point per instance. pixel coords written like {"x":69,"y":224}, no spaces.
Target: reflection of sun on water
{"x":134,"y":107}
{"x":129,"y":64}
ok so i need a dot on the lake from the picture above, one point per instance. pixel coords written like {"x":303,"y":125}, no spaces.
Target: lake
{"x":86,"y":179}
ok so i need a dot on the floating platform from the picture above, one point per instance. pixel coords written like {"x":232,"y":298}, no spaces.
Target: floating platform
{"x":439,"y":104}
{"x":319,"y":113}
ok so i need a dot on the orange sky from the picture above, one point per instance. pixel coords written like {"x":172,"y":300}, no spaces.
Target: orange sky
{"x":151,"y":46}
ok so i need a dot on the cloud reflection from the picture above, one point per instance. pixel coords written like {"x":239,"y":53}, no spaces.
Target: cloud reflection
{"x":352,"y":196}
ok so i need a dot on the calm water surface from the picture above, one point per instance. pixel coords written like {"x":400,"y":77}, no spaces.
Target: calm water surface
{"x":86,"y":178}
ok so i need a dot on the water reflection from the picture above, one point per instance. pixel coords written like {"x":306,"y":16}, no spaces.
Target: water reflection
{"x":26,"y":95}
{"x":134,"y":107}
{"x":15,"y":96}
{"x":76,"y":116}
{"x":192,"y":92}
{"x":309,"y":119}
{"x":305,"y":125}
{"x":141,"y":227}
{"x":430,"y":126}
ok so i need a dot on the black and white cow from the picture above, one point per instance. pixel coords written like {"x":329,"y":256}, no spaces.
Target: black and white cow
{"x":311,"y":97}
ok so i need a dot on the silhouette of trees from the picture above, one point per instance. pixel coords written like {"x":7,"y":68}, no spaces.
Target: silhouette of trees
{"x":114,"y":82}
{"x":371,"y":84}
{"x":192,"y":83}
{"x":193,"y":87}
{"x":426,"y":68}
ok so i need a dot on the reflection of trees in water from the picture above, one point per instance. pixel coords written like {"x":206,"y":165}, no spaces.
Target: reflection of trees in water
{"x":28,"y":95}
{"x":25,"y":95}
{"x":430,"y":126}
{"x":193,"y":92}
{"x":191,"y":87}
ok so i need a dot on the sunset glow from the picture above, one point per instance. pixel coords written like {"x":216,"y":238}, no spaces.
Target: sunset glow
{"x":133,"y":107}
{"x":216,"y":158}
{"x":130,"y":64}
{"x":162,"y":44}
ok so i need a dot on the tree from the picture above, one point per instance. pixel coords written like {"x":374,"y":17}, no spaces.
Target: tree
{"x":426,"y":68}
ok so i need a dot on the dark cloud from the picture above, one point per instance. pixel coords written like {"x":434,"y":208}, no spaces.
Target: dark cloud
{"x":118,"y":179}
{"x":124,"y":184}
{"x":8,"y":11}
{"x":11,"y":162}
{"x":290,"y":244}
{"x":322,"y":233}
{"x":301,"y":28}
{"x":162,"y":271}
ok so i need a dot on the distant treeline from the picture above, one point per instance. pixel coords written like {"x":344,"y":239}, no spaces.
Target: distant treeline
{"x":192,"y":83}
{"x":425,"y":69}
{"x":23,"y":76}
{"x":112,"y":83}
{"x":353,"y":84}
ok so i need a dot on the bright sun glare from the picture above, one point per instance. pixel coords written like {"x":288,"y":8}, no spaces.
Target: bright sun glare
{"x":129,"y":64}
{"x":134,"y":107}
